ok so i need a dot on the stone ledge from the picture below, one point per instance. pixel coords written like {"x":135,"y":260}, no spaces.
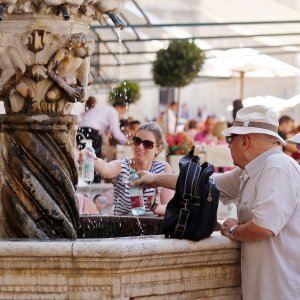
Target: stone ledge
{"x":149,"y":267}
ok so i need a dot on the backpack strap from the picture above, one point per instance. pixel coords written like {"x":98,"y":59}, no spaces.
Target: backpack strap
{"x":197,"y":150}
{"x":190,"y":187}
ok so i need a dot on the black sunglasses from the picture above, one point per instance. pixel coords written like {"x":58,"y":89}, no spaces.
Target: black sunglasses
{"x":229,"y":138}
{"x":146,"y":143}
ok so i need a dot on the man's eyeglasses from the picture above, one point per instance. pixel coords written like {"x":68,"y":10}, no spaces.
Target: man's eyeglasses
{"x":229,"y":138}
{"x":146,"y":143}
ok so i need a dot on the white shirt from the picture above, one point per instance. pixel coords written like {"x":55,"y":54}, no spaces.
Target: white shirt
{"x":102,"y":118}
{"x":268,"y":193}
{"x":171,"y":116}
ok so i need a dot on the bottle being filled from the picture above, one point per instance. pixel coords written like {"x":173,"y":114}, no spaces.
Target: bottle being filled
{"x":136,"y":195}
{"x":88,"y":165}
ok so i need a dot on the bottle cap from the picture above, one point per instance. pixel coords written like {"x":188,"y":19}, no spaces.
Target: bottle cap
{"x":86,"y":141}
{"x":132,"y":171}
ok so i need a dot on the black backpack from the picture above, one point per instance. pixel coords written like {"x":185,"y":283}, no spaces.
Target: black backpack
{"x":192,"y":212}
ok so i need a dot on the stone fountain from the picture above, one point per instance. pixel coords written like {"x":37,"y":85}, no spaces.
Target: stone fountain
{"x":45,"y":53}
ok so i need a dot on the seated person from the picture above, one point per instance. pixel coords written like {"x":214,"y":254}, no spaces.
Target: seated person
{"x":86,"y":206}
{"x":104,"y":203}
{"x":147,"y":143}
{"x":205,"y":136}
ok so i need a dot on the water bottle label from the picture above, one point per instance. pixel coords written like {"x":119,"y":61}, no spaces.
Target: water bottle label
{"x":137,"y":201}
{"x":87,"y":171}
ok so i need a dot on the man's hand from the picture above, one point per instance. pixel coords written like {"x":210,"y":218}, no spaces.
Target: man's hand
{"x":246,"y":232}
{"x":228,"y":223}
{"x":146,"y":179}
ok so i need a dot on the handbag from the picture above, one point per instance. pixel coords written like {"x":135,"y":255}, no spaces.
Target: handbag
{"x":192,"y":212}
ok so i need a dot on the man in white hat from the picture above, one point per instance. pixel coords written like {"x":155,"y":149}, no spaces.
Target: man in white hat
{"x":265,"y":187}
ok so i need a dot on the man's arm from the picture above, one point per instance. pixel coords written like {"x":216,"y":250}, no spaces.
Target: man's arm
{"x":248,"y":232}
{"x":148,"y":179}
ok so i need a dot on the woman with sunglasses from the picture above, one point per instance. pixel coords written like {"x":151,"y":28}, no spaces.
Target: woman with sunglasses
{"x":147,"y":143}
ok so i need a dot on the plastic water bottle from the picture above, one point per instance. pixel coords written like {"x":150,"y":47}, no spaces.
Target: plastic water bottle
{"x":88,"y":165}
{"x":136,"y":196}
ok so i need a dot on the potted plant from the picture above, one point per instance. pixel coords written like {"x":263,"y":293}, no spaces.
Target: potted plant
{"x":177,"y":65}
{"x":127,"y":91}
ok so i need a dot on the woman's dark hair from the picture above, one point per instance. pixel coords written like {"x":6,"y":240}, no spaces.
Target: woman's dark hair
{"x":237,"y":105}
{"x":90,"y":103}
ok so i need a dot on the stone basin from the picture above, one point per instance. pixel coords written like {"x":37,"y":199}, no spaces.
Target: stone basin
{"x":148,"y":267}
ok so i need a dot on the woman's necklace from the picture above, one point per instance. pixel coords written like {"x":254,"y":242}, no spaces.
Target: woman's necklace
{"x":137,"y":167}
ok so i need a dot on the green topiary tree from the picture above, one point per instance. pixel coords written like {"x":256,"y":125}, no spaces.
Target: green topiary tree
{"x":177,"y":65}
{"x":126,"y":91}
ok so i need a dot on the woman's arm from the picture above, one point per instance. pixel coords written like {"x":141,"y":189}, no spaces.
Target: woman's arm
{"x":108,"y":169}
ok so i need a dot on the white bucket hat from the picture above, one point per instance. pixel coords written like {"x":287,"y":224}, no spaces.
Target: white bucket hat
{"x":295,"y":139}
{"x":255,"y":119}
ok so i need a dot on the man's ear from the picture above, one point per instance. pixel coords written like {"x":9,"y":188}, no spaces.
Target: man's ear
{"x":246,"y":142}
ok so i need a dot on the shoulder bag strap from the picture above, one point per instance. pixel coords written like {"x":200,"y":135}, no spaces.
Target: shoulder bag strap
{"x":191,"y":179}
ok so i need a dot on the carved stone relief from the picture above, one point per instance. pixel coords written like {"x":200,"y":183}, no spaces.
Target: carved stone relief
{"x":44,"y":73}
{"x":81,"y":9}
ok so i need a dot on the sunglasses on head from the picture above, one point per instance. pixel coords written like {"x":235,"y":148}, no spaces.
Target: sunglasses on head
{"x":146,"y":143}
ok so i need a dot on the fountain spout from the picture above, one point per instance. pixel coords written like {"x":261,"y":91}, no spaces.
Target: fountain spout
{"x":116,"y":20}
{"x":64,"y":12}
{"x":1,"y":11}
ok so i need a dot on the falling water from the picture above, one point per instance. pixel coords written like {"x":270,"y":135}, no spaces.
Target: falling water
{"x":140,"y":225}
{"x":119,"y":64}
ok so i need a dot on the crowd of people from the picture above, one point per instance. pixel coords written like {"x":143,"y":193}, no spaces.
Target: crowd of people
{"x":99,"y":122}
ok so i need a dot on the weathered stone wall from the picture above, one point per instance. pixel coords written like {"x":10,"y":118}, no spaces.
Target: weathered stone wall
{"x":149,"y":267}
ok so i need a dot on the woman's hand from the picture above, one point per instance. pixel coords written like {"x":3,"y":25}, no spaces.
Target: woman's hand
{"x":83,"y":153}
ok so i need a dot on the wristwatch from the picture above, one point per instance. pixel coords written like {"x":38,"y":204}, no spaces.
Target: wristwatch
{"x":232,"y":230}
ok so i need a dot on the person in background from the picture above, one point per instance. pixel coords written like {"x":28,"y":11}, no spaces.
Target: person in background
{"x":171,"y":117}
{"x":217,"y":132}
{"x":86,"y":206}
{"x":286,"y":126}
{"x":84,"y":133}
{"x":192,"y":128}
{"x":237,"y":105}
{"x":132,"y":127}
{"x":205,"y":135}
{"x":147,"y":143}
{"x":104,"y":203}
{"x":265,"y":187}
{"x":286,"y":129}
{"x":295,"y":141}
{"x":97,"y":120}
{"x":184,"y":111}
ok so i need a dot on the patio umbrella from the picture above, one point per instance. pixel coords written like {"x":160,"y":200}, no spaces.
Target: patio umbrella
{"x":295,"y":100}
{"x":246,"y":62}
{"x":275,"y":103}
